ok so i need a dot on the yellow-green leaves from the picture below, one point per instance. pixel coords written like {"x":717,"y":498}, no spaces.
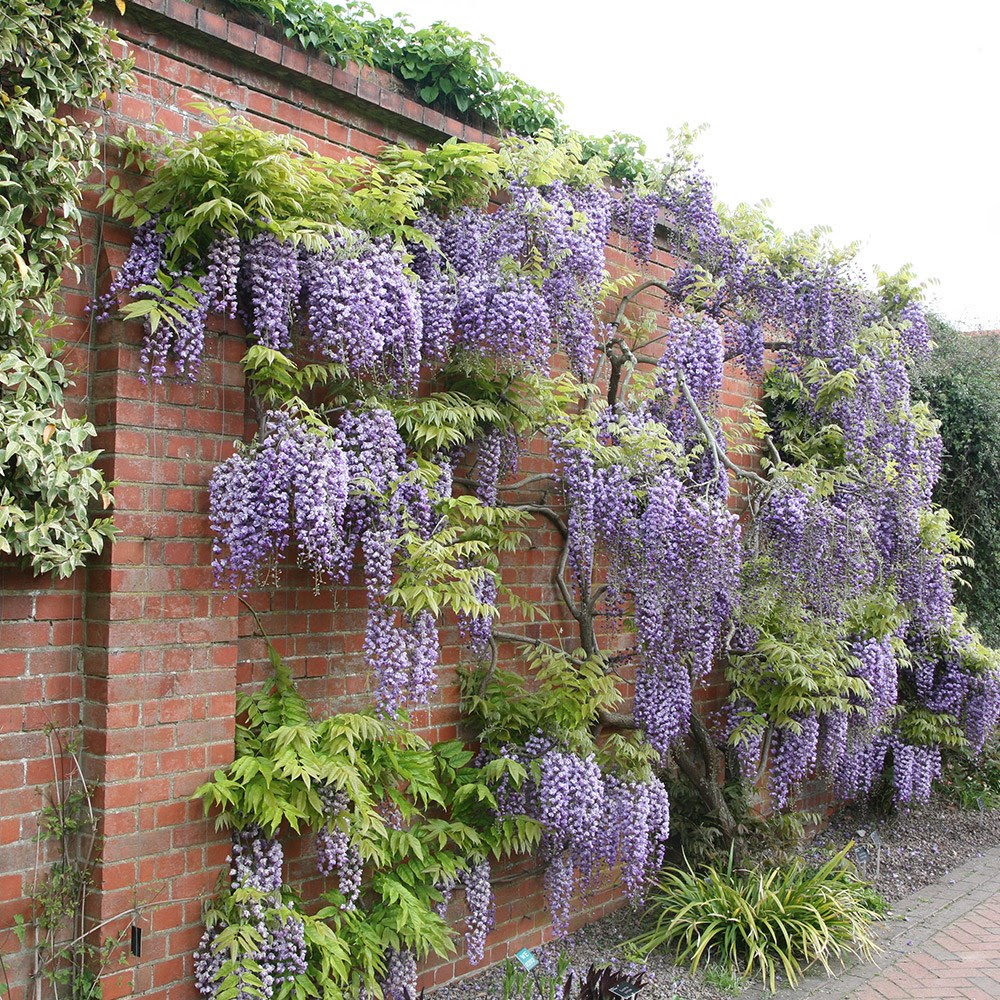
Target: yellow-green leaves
{"x":762,"y":922}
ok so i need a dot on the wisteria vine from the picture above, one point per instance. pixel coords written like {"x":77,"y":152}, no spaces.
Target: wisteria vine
{"x":812,"y":565}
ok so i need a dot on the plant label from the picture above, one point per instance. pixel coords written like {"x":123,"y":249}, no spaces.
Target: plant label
{"x":527,"y":959}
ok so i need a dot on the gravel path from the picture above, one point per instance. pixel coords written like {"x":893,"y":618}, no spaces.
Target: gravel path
{"x":918,"y":847}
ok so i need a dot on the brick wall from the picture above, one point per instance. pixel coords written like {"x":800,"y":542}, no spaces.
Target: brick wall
{"x":137,"y":653}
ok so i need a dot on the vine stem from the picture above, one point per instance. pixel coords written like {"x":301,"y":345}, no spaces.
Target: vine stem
{"x":706,"y":431}
{"x":511,"y":487}
{"x":545,"y":511}
{"x":256,"y":617}
{"x":633,"y":293}
{"x":526,"y":640}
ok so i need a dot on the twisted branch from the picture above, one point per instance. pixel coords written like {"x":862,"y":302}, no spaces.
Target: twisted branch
{"x":706,"y":431}
{"x":526,"y":640}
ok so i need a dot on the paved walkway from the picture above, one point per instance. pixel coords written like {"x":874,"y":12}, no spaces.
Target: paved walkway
{"x":941,"y":943}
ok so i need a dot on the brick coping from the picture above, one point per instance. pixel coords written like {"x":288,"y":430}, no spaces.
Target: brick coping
{"x":374,"y":92}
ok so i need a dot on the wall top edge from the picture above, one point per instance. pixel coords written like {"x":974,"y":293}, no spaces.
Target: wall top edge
{"x":243,"y":38}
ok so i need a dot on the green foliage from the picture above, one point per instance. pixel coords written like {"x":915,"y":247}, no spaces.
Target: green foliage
{"x":801,"y":661}
{"x":458,"y":72}
{"x":444,"y":64}
{"x":958,"y":382}
{"x":723,"y":978}
{"x":561,"y":695}
{"x":53,"y":59}
{"x":442,"y":571}
{"x":761,"y":921}
{"x":447,"y":813}
{"x":920,"y":726}
{"x":623,"y":154}
{"x":697,"y":834}
{"x":790,"y":253}
{"x":973,"y":782}
{"x":798,"y":664}
{"x":235,"y":178}
{"x":47,"y":475}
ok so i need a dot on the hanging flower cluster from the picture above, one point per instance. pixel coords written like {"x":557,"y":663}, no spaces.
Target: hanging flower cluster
{"x":352,"y":299}
{"x":256,"y":876}
{"x":513,"y":283}
{"x":332,"y":491}
{"x":589,"y":819}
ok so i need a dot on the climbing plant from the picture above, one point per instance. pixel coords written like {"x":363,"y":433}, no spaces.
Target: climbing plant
{"x":55,"y":61}
{"x":830,"y":603}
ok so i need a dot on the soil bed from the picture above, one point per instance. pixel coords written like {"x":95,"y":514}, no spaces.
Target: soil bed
{"x":918,"y":847}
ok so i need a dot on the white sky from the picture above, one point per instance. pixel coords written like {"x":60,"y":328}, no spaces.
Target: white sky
{"x":878,"y":118}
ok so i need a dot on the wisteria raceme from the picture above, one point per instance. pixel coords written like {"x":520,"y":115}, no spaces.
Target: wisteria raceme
{"x":335,"y":854}
{"x":833,"y":730}
{"x":488,"y":466}
{"x":675,"y":554}
{"x":256,"y":861}
{"x":818,"y":550}
{"x":572,"y":238}
{"x":285,"y":952}
{"x":746,"y":737}
{"x":981,"y":714}
{"x":447,"y":888}
{"x":270,"y":285}
{"x":361,"y":308}
{"x":385,"y":650}
{"x":914,"y":769}
{"x":589,"y":820}
{"x":578,"y":471}
{"x":793,"y":757}
{"x":208,"y":962}
{"x":636,"y":825}
{"x":437,"y":294}
{"x":180,"y":338}
{"x":424,"y":652}
{"x":683,"y":590}
{"x":320,"y":494}
{"x":400,"y":982}
{"x":222,"y":275}
{"x":861,"y":765}
{"x":635,"y":216}
{"x":477,"y":630}
{"x":558,"y":881}
{"x":917,"y":335}
{"x":256,"y":871}
{"x":504,"y":318}
{"x":482,"y":910}
{"x":145,"y":257}
{"x":693,"y":363}
{"x":252,"y":496}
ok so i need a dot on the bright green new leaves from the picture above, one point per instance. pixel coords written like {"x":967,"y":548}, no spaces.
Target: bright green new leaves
{"x":237,"y":179}
{"x":446,"y":821}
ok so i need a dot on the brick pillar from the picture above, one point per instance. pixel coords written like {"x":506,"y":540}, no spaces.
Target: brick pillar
{"x":159,"y":670}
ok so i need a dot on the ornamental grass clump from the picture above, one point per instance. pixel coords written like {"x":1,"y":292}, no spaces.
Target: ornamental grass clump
{"x":761,"y":921}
